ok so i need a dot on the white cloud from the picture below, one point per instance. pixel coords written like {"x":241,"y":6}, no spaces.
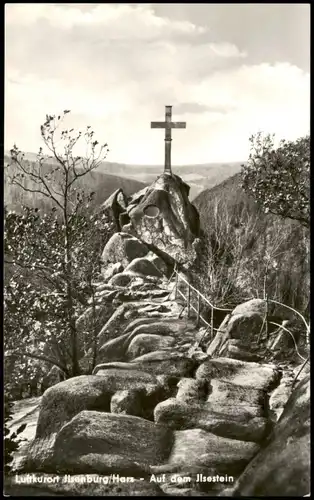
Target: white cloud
{"x":116,"y":66}
{"x":118,"y":20}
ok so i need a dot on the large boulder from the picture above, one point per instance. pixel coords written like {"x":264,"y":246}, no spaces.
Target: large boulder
{"x":145,"y":343}
{"x":236,"y":400}
{"x":242,"y":334}
{"x":247,"y":374}
{"x":164,"y":218}
{"x":158,"y":262}
{"x":91,"y":392}
{"x":178,"y":414}
{"x":53,"y":377}
{"x":150,"y":294}
{"x":157,"y":363}
{"x":139,"y":322}
{"x":128,"y":402}
{"x":130,"y":437}
{"x":63,"y":401}
{"x":282,"y":468}
{"x":253,"y":306}
{"x":111,"y":270}
{"x":117,"y":322}
{"x":143,"y":266}
{"x":196,"y":447}
{"x":115,"y":205}
{"x":119,"y":348}
{"x":121,"y":279}
{"x":123,"y":248}
{"x":171,"y":326}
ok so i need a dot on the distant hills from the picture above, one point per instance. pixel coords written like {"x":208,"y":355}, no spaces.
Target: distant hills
{"x":102,"y":184}
{"x":133,"y":177}
{"x":199,"y":177}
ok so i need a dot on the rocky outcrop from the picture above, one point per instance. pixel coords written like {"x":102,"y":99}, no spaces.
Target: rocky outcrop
{"x":242,"y":373}
{"x":283,"y":466}
{"x":115,"y":205}
{"x":199,"y":448}
{"x":153,"y":408}
{"x":213,"y":403}
{"x":242,"y":334}
{"x":143,"y":266}
{"x":157,"y":404}
{"x":111,"y":270}
{"x":158,"y":363}
{"x":107,"y":434}
{"x":123,"y":248}
{"x":162,"y":216}
{"x":88,"y":392}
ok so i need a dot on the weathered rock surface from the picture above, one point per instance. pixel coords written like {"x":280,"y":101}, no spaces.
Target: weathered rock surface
{"x":196,"y":447}
{"x":123,"y":248}
{"x":117,"y":322}
{"x":182,"y":415}
{"x":246,"y":374}
{"x":158,"y":363}
{"x":158,"y":262}
{"x":282,"y":468}
{"x":156,"y":402}
{"x":145,"y":343}
{"x":109,"y":434}
{"x":128,"y":402}
{"x":88,"y":392}
{"x":144,"y":266}
{"x":164,"y":209}
{"x":111,"y":270}
{"x":115,"y":205}
{"x":242,"y":334}
{"x":253,"y":306}
{"x":122,"y":279}
{"x":157,"y":295}
{"x":280,"y":395}
{"x":237,"y":400}
{"x":128,"y":346}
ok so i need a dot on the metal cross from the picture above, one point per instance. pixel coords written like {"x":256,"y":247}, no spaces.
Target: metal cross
{"x":168,"y":125}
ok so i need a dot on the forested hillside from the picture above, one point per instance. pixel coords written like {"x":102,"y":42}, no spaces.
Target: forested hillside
{"x":250,"y":251}
{"x":103,"y":185}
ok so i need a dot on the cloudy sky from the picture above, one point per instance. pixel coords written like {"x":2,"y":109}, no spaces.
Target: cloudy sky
{"x":228,"y":70}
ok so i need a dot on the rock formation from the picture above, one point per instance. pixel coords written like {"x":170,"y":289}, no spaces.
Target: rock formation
{"x":163,"y":403}
{"x":161,"y":216}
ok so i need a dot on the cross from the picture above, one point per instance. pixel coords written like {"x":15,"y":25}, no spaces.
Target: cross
{"x":168,"y":125}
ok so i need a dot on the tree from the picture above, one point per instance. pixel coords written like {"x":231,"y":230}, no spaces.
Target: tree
{"x":11,"y":439}
{"x":279,"y":178}
{"x":47,"y":249}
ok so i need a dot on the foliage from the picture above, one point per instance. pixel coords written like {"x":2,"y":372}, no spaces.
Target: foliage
{"x":35,"y":320}
{"x":11,"y":439}
{"x":52,"y":258}
{"x":279,"y":178}
{"x":248,"y":253}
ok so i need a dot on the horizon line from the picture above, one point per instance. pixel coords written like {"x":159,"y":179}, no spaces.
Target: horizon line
{"x":137,"y":164}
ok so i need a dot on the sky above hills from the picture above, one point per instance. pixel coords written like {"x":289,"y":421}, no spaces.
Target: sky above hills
{"x":228,"y":70}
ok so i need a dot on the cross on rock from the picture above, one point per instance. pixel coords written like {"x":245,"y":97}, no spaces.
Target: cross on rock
{"x":168,"y":125}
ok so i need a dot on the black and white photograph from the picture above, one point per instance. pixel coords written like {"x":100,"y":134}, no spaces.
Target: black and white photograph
{"x":156,"y":309}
